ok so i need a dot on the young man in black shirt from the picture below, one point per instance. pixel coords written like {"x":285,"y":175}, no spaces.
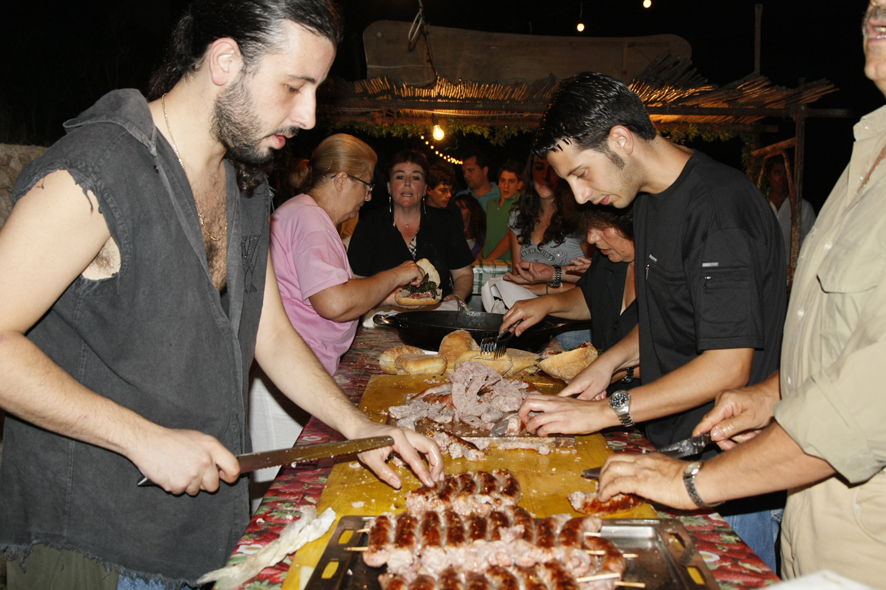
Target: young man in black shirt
{"x":710,"y":274}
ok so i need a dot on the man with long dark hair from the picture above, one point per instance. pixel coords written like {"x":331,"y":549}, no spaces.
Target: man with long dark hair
{"x":136,"y":290}
{"x":710,"y":276}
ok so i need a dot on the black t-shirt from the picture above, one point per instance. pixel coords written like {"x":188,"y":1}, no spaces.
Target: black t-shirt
{"x":710,"y":275}
{"x":603,"y":287}
{"x":377,"y":244}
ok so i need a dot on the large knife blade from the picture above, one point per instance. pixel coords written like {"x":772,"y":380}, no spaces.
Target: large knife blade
{"x":252,"y":461}
{"x":684,"y":448}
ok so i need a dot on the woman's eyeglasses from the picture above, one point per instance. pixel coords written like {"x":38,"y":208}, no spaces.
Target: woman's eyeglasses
{"x":369,"y":185}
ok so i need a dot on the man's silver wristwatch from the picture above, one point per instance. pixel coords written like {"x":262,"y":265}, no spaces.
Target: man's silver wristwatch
{"x":620,"y":401}
{"x":689,"y":474}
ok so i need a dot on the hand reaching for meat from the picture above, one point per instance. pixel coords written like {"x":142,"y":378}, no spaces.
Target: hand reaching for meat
{"x":410,"y":446}
{"x":564,"y":415}
{"x":652,"y":476}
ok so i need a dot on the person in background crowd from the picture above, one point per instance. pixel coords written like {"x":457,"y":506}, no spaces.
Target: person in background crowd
{"x":441,"y":180}
{"x":476,"y":172}
{"x":410,"y":231}
{"x":498,"y":212}
{"x":780,"y":199}
{"x":136,"y":290}
{"x":607,"y":293}
{"x":817,"y":427}
{"x":474,"y":219}
{"x":548,"y":252}
{"x":711,"y":296}
{"x":321,"y":296}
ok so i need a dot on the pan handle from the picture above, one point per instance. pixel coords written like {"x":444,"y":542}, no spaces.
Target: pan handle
{"x":560,"y":325}
{"x":389,"y":321}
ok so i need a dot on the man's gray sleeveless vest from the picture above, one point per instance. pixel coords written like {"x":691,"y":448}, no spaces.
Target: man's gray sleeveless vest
{"x":157,"y":338}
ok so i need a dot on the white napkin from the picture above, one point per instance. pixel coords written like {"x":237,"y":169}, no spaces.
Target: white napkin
{"x":499,"y":295}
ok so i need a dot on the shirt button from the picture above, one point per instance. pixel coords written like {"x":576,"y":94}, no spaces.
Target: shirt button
{"x":827,"y":246}
{"x":800,"y":313}
{"x":790,"y":382}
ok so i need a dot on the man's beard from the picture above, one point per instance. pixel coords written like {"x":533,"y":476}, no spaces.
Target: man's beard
{"x":239,"y":128}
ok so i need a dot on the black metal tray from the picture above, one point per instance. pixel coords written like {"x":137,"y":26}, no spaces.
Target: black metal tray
{"x":667,"y":558}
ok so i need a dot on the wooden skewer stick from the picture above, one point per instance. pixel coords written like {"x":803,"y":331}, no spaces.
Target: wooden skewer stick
{"x":598,"y":577}
{"x":631,"y":584}
{"x":358,"y":549}
{"x":362,"y":530}
{"x":593,"y":534}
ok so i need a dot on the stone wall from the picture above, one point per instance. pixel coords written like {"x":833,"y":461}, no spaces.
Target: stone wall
{"x":12,"y":159}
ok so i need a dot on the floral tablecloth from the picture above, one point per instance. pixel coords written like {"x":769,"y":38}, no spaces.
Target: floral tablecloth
{"x":732,"y":563}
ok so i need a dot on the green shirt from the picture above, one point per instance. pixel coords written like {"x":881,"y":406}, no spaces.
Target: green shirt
{"x":497,"y":217}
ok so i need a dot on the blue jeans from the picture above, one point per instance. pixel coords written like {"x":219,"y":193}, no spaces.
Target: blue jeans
{"x":759,"y":530}
{"x":573,"y":339}
{"x":130,"y":583}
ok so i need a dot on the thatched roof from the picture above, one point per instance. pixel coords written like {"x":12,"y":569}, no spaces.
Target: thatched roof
{"x":675,"y":95}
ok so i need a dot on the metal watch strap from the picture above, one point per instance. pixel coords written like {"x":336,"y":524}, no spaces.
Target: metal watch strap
{"x":558,"y":277}
{"x":689,"y":481}
{"x":623,"y":413}
{"x":629,"y":376}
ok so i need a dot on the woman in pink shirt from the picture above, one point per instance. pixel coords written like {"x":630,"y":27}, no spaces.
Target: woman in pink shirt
{"x":323,"y":299}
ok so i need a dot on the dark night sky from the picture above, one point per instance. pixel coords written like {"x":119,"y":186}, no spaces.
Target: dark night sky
{"x":58,"y":63}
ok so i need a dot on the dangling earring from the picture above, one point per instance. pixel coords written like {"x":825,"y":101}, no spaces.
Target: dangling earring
{"x":391,"y":210}
{"x":424,"y":208}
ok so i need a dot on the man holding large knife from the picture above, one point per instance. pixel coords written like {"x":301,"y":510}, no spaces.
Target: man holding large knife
{"x":818,"y":426}
{"x":136,"y":288}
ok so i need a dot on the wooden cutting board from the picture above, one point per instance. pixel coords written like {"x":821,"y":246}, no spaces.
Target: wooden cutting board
{"x":546,"y":480}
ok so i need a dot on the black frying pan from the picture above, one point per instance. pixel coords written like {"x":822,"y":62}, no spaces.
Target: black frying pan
{"x":425,"y":329}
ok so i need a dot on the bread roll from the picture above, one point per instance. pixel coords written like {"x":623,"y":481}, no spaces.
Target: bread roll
{"x":567,"y":365}
{"x":500,"y":365}
{"x":387,"y":358}
{"x":522,"y":363}
{"x":455,"y":343}
{"x":421,"y":364}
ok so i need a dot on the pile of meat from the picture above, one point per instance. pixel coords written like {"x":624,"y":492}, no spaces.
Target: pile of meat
{"x":475,"y":395}
{"x":469,"y":533}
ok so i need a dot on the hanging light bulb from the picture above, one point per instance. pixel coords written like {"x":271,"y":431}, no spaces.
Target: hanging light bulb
{"x":438,"y":133}
{"x":581,"y":26}
{"x":647,"y":3}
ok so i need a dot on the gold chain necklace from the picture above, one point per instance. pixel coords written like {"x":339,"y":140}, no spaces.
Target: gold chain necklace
{"x":178,"y":155}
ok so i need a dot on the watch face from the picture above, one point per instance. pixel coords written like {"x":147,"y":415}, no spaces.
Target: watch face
{"x":619,"y":398}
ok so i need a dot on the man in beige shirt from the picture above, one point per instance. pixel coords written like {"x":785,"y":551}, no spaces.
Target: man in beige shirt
{"x":825,"y":440}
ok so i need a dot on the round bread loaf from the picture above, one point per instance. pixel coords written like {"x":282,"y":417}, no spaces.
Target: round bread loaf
{"x":522,"y":363}
{"x":455,"y":343}
{"x":387,"y":358}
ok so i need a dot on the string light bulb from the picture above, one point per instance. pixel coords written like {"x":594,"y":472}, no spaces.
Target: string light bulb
{"x":647,"y":3}
{"x":438,"y":133}
{"x":581,"y":26}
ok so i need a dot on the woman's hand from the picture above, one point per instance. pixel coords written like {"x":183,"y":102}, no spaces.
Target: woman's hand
{"x":590,"y":384}
{"x":530,"y":273}
{"x":578,"y":265}
{"x":531,"y":311}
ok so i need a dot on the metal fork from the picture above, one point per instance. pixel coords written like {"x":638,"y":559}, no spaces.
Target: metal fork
{"x":497,"y":345}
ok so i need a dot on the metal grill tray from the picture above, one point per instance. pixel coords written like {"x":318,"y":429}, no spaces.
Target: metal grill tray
{"x":667,"y":558}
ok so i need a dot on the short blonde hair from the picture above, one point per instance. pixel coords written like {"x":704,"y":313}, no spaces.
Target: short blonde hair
{"x":337,"y":153}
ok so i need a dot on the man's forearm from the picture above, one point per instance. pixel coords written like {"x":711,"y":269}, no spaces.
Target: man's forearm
{"x":695,"y":383}
{"x":769,"y":462}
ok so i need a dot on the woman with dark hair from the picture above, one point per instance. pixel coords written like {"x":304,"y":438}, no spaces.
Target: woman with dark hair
{"x":407,"y":230}
{"x":474,"y":219}
{"x":607,"y":292}
{"x":544,"y":239}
